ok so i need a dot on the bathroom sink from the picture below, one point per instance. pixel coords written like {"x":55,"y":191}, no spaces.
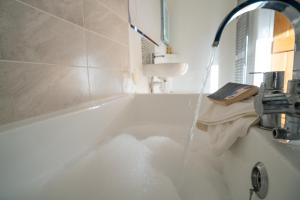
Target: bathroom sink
{"x":165,"y":70}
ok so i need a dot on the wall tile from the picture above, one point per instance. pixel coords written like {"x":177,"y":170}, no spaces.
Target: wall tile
{"x":104,"y":53}
{"x":6,"y":108}
{"x":67,"y":9}
{"x":29,"y":35}
{"x":105,"y":83}
{"x":28,"y":90}
{"x":119,"y":6}
{"x":79,"y":65}
{"x":101,"y":20}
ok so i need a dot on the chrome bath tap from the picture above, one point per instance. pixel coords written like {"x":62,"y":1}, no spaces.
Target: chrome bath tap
{"x":278,"y":110}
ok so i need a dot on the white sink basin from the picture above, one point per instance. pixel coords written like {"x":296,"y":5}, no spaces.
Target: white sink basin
{"x":165,"y":70}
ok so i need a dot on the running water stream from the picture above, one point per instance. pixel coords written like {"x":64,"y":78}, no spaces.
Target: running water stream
{"x":198,"y":105}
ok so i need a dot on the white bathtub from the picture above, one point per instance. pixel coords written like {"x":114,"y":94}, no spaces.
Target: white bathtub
{"x":33,"y":152}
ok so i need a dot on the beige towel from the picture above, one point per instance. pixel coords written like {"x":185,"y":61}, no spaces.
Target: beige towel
{"x":225,"y":124}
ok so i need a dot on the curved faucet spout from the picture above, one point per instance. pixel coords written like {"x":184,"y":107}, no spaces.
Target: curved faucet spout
{"x":289,"y":8}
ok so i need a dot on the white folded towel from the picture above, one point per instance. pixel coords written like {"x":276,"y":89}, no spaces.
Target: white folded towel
{"x":225,"y":124}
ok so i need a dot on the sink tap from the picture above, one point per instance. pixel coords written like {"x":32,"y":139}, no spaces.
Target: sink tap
{"x":153,"y":56}
{"x":278,"y":110}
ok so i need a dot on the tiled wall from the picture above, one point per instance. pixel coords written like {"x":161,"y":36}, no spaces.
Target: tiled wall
{"x":56,"y":54}
{"x":148,"y":48}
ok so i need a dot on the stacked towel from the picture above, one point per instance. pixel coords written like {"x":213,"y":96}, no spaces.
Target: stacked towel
{"x":225,"y":124}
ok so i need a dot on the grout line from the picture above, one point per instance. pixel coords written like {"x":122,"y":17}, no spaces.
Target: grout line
{"x":89,"y":79}
{"x":38,"y":63}
{"x":108,"y":69}
{"x":103,"y":36}
{"x":74,"y":24}
{"x":62,"y":65}
{"x":86,"y":51}
{"x":114,"y":12}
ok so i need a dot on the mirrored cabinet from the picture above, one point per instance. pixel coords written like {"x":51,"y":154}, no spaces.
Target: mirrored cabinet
{"x":145,"y":16}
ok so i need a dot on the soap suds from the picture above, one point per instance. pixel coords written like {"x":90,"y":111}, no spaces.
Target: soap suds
{"x":129,"y":169}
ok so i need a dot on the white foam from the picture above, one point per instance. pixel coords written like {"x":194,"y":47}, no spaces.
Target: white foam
{"x":128,"y":169}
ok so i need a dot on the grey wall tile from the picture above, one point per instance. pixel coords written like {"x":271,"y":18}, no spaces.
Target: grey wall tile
{"x":105,"y":83}
{"x":100,"y":19}
{"x":29,"y":35}
{"x":6,"y":109}
{"x":104,"y":53}
{"x":70,"y":10}
{"x":28,"y":90}
{"x":119,"y":6}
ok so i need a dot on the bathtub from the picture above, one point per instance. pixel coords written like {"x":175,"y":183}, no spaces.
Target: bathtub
{"x":37,"y":151}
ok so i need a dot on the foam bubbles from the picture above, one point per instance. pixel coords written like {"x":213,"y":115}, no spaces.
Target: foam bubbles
{"x":128,"y":169}
{"x":120,"y":169}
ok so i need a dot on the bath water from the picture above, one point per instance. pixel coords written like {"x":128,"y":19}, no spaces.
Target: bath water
{"x":126,"y":168}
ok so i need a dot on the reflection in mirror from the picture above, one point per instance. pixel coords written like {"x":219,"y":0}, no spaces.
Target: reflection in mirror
{"x":265,"y":41}
{"x":283,"y":47}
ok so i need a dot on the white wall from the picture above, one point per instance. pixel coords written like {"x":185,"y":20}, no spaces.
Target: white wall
{"x":193,"y":24}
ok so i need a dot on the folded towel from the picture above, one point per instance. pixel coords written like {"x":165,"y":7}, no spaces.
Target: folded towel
{"x":225,"y":124}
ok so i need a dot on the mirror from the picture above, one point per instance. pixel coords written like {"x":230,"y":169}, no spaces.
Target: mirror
{"x":145,"y":18}
{"x":165,"y":22}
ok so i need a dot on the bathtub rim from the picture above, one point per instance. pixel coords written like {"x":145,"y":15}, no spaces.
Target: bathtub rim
{"x":91,"y":105}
